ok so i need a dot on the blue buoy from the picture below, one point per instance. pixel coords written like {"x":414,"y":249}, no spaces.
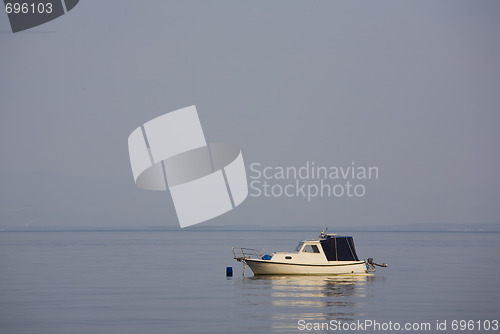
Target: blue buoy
{"x":229,"y":271}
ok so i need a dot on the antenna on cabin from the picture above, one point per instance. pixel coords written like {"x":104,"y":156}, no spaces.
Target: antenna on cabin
{"x":323,"y":233}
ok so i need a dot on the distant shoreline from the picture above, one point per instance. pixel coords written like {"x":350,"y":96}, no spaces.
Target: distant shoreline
{"x":493,"y":228}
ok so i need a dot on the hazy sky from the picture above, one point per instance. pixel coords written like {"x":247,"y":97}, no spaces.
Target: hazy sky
{"x":411,"y":87}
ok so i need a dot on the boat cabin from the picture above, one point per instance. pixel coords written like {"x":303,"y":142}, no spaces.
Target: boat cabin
{"x":329,"y":247}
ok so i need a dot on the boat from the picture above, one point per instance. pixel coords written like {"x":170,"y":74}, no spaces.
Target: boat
{"x":329,"y":254}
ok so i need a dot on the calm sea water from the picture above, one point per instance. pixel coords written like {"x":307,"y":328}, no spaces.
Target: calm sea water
{"x":174,"y":282}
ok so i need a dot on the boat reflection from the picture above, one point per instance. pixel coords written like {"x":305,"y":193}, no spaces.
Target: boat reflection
{"x":310,"y":298}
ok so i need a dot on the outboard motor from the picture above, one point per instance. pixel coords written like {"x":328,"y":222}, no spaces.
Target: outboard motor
{"x":371,"y":265}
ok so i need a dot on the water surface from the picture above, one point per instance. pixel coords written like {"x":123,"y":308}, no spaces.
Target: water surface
{"x":174,"y":282}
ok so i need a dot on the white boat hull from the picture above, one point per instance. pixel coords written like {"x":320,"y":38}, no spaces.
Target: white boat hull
{"x":265,"y":267}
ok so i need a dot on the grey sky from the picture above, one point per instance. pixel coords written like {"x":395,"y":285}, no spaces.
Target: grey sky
{"x":410,"y":87}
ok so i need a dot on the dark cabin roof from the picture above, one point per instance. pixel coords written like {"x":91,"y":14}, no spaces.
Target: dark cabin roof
{"x":339,"y":248}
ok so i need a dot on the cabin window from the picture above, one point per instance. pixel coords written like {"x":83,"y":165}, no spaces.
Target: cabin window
{"x":299,"y":246}
{"x":311,"y":249}
{"x":288,"y":257}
